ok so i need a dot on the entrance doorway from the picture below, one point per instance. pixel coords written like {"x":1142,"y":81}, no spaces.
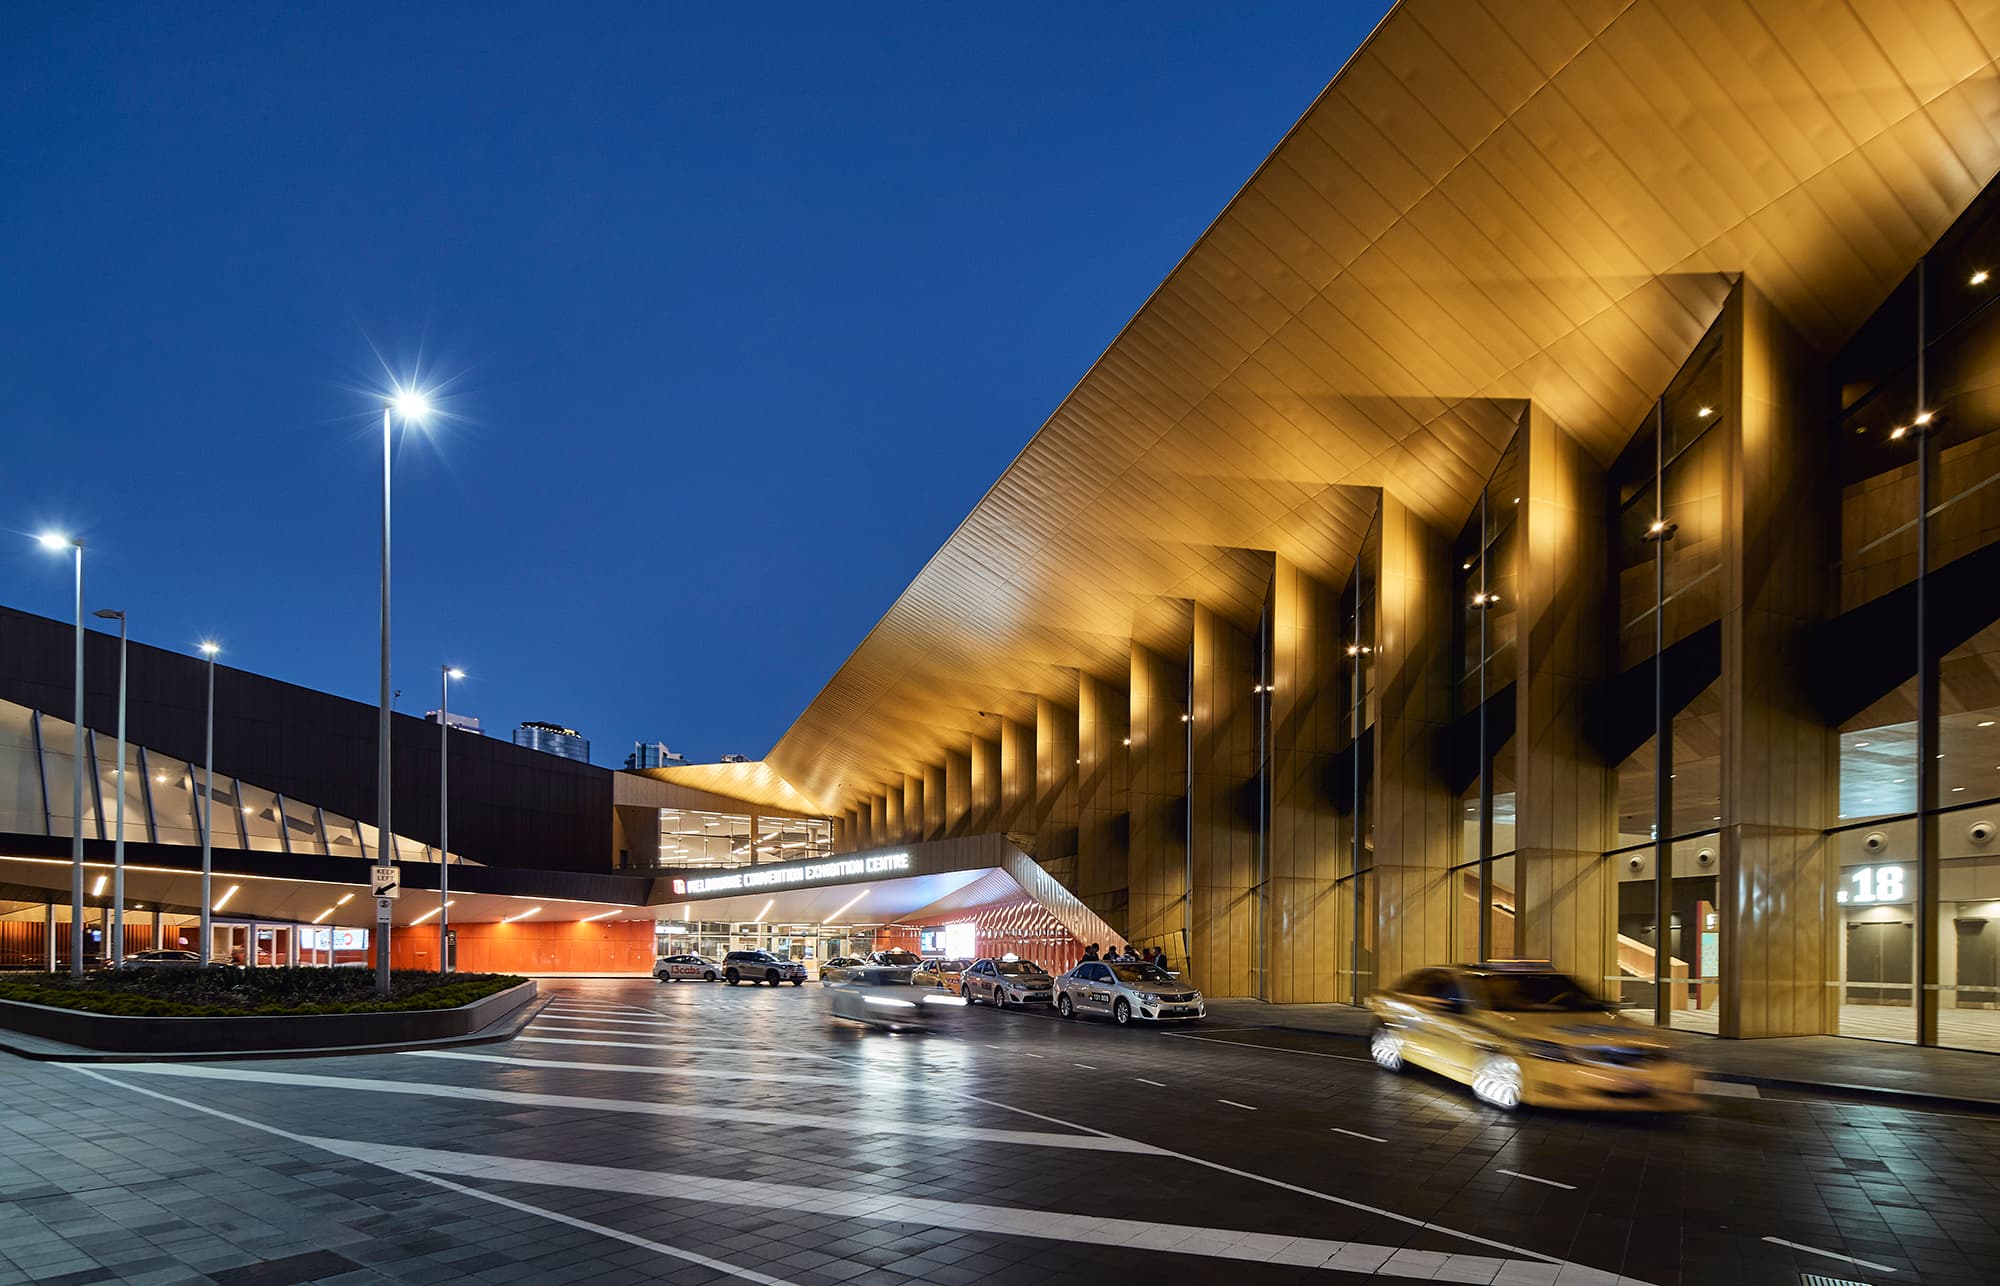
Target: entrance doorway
{"x":1879,"y":952}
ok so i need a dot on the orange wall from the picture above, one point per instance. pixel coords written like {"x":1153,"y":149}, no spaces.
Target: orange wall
{"x":528,"y":946}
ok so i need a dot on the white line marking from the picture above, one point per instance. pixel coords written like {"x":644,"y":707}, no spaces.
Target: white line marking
{"x":693,"y":1257}
{"x":1143,"y":1081}
{"x":676,"y":1046}
{"x":647,"y":1069}
{"x":850,"y":1123}
{"x":1831,"y":1254}
{"x":1268,"y":1049}
{"x":1085,"y":1066}
{"x":1577,"y":1273}
{"x":605,"y":1020}
{"x":1233,"y":1103}
{"x":1726,"y":1089}
{"x":1356,"y":1134}
{"x":1026,"y":1054}
{"x":1567,"y":1187}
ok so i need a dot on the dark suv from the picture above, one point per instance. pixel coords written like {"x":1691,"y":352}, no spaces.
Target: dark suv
{"x":761,"y":966}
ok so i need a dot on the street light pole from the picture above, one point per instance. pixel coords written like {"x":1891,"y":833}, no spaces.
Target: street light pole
{"x":56,"y":540}
{"x":117,"y":943}
{"x":446,"y":675}
{"x":209,"y":649}
{"x":412,"y":406}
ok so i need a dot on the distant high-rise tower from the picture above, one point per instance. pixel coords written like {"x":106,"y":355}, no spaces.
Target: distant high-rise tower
{"x":554,"y":739}
{"x":652,"y":754}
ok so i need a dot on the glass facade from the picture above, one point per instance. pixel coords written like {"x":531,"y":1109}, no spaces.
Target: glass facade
{"x":695,"y":838}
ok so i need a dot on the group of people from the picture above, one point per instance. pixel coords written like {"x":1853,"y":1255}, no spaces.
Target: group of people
{"x":1126,"y":955}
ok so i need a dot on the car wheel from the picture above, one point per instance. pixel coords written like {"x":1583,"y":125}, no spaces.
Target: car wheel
{"x":1385,"y":1046}
{"x":1497,"y":1083}
{"x":733,"y":977}
{"x":1064,"y":1007}
{"x":709,"y":976}
{"x":798,"y":982}
{"x":965,"y":994}
{"x":1121,"y":1013}
{"x":771,"y":976}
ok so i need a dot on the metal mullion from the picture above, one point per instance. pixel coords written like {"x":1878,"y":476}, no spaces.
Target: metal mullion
{"x":146,"y":797}
{"x":1485,"y":754}
{"x":42,"y":774}
{"x":1925,"y":975}
{"x":1663,"y":752}
{"x":96,"y":783}
{"x":284,"y":822}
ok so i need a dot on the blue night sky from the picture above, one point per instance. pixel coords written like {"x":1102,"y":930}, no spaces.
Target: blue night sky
{"x":739,"y":310}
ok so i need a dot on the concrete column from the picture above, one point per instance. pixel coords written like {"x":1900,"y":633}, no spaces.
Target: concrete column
{"x":1222,"y":841}
{"x":1779,"y":921}
{"x":1104,"y":798}
{"x":1415,"y":822}
{"x":1565,"y":801}
{"x":1157,"y":909}
{"x":1308,"y":836}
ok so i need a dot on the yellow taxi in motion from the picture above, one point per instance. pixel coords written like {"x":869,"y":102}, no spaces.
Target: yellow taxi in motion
{"x":945,"y":975}
{"x":1527,"y":1034}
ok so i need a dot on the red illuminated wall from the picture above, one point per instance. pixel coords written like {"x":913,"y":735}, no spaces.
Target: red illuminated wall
{"x":528,"y":946}
{"x":1021,"y":927}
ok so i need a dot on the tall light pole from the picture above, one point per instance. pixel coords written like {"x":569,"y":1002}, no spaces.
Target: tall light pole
{"x":209,"y":648}
{"x":446,"y":673}
{"x":412,"y":405}
{"x":56,"y":540}
{"x":117,"y":943}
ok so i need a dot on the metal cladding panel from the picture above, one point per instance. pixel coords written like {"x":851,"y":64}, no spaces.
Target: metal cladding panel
{"x":1490,"y":204}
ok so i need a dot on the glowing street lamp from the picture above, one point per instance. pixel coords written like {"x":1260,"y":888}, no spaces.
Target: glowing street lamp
{"x":54,"y":541}
{"x":413,"y":405}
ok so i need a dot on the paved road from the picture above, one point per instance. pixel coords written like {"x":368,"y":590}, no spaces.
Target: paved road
{"x":693,"y":1133}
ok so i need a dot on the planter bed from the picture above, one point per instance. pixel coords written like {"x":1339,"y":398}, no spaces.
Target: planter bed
{"x":412,"y":1016}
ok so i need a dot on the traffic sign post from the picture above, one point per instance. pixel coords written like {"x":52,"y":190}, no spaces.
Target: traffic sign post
{"x":388,"y":885}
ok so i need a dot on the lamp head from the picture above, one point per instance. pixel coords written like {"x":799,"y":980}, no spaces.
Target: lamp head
{"x":412,"y":404}
{"x":454,"y":673}
{"x":55,"y":540}
{"x":209,"y":647}
{"x":109,"y":614}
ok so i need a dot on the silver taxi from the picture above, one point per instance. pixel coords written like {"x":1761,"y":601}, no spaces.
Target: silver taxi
{"x":1127,"y":992}
{"x":686,"y":968}
{"x":1007,"y":983}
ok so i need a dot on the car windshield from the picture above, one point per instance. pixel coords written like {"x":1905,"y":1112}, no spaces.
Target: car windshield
{"x":1539,"y":993}
{"x":1140,"y":973}
{"x":1018,"y":968}
{"x":900,"y":959}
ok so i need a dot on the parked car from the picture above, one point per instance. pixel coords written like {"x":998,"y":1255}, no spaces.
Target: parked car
{"x":761,"y":966}
{"x":1527,"y":1034}
{"x":1127,"y":992}
{"x":838,"y":968}
{"x":1007,"y":983}
{"x":685,"y":967}
{"x":162,"y":958}
{"x":941,"y":974}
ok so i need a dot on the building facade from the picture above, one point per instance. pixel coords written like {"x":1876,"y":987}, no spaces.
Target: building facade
{"x":553,"y":739}
{"x":652,"y":754}
{"x":1544,"y":516}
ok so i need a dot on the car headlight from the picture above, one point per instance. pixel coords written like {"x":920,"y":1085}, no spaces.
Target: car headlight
{"x":888,"y":1002}
{"x":1546,"y":1049}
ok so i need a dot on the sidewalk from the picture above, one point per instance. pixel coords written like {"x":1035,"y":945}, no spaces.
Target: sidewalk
{"x":1879,"y":1070}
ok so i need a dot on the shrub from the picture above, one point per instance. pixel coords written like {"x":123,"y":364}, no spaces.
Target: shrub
{"x":225,"y":991}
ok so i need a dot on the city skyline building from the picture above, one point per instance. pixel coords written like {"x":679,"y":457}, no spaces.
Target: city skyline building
{"x":653,"y":754}
{"x":553,"y":739}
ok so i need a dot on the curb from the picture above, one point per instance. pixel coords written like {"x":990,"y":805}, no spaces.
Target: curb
{"x":505,"y":1027}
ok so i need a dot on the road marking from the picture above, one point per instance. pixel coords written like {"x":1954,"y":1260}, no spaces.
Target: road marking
{"x":649,"y":1069}
{"x":1356,"y":1134}
{"x":1567,"y":1187}
{"x":554,"y":1015}
{"x":894,"y":1208}
{"x":849,"y":1123}
{"x":1026,"y":1054}
{"x":1233,"y":1103}
{"x":1085,"y":1066}
{"x":1269,"y":1049}
{"x":1143,"y":1081}
{"x":1831,"y":1254}
{"x":1726,"y":1089}
{"x":677,"y":1046}
{"x":1574,"y":1273}
{"x":672,"y":1252}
